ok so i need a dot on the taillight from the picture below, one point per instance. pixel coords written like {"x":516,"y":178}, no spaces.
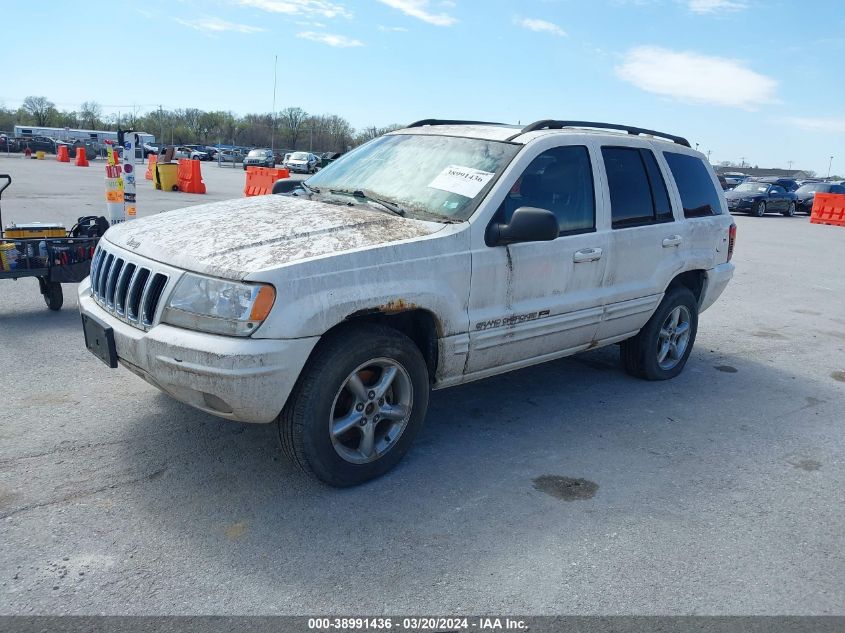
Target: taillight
{"x":731,"y":241}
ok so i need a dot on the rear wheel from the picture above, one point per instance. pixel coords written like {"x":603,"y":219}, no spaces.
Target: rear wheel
{"x":662,"y":347}
{"x":357,"y":406}
{"x":759,"y":209}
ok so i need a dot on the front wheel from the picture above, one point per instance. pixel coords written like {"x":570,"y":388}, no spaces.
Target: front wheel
{"x":357,"y":406}
{"x":662,"y":347}
{"x":790,"y":211}
{"x":759,"y":209}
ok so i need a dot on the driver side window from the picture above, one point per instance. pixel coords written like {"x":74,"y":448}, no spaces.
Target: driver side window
{"x":560,"y":180}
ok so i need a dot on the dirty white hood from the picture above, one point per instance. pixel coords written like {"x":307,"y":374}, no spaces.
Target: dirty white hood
{"x":234,"y":238}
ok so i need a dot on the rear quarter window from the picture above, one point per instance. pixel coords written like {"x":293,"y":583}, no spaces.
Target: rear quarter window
{"x":698,"y":193}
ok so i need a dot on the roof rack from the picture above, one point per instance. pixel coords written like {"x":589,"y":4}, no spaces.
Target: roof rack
{"x":551,"y":124}
{"x":423,"y":122}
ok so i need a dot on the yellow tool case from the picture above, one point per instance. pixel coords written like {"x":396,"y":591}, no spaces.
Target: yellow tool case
{"x":36,"y":230}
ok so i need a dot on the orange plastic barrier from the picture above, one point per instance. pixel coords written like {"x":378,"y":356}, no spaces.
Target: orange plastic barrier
{"x":190,"y":177}
{"x":828,"y":208}
{"x":151,"y":165}
{"x":62,"y":155}
{"x":260,"y":180}
{"x":81,"y":158}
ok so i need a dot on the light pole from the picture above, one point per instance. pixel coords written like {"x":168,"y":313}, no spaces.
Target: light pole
{"x":829,"y":164}
{"x":273,"y":117}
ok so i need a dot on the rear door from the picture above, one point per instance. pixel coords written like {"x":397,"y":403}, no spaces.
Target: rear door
{"x":644,"y":241}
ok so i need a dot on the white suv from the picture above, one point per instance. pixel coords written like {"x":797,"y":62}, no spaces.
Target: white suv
{"x":432,"y":256}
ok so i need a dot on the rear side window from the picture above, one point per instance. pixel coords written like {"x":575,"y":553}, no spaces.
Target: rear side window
{"x":698,"y":195}
{"x":637,"y":191}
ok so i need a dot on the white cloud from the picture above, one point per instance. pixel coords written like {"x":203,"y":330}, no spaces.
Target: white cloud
{"x":813,"y":124}
{"x":541,"y":26}
{"x":696,"y":78}
{"x":419,"y":9}
{"x":299,"y":7}
{"x":716,"y":6}
{"x":339,"y":41}
{"x":392,"y":29}
{"x":216,"y":25}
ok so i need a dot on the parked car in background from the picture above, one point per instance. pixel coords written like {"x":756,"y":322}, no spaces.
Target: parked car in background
{"x":758,"y":198}
{"x":787,"y":183}
{"x":302,"y":162}
{"x":260,"y":158}
{"x":183,"y":151}
{"x":229,"y":156}
{"x":723,"y":182}
{"x":37,"y":144}
{"x":206,"y":154}
{"x":92,"y":148}
{"x":327,"y":158}
{"x":149,"y":148}
{"x":734,"y":178}
{"x":805,"y":195}
{"x":8,"y":143}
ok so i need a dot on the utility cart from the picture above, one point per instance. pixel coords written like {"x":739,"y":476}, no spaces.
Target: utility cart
{"x":49,"y":253}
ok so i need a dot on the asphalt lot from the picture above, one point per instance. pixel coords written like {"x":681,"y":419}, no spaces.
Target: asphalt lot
{"x":719,"y":492}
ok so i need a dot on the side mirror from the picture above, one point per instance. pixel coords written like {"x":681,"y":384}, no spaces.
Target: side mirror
{"x":528,"y":224}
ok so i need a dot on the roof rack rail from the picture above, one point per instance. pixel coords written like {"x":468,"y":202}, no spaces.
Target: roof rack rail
{"x":423,"y":122}
{"x":551,"y":124}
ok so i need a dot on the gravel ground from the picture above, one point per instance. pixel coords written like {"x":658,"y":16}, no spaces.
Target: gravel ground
{"x":564,"y":488}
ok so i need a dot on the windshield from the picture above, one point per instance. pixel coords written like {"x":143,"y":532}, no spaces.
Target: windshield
{"x":257,"y":153}
{"x":425,"y":174}
{"x":299,"y":156}
{"x":816,"y":186}
{"x":756,"y":187}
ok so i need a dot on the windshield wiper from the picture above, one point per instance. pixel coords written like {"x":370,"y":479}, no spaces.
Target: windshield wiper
{"x":357,"y":193}
{"x":308,"y":187}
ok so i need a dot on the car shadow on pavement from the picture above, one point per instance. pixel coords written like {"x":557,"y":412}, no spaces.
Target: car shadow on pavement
{"x":646,"y":448}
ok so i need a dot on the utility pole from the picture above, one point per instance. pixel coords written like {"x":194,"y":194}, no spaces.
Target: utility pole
{"x":743,"y":162}
{"x":829,"y":166}
{"x":709,"y":151}
{"x":160,"y":126}
{"x":273,"y":115}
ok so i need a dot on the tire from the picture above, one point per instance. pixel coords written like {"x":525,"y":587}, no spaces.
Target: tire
{"x":641,"y":354}
{"x":322,"y":401}
{"x":790,"y":211}
{"x":759,"y":209}
{"x":53,"y":296}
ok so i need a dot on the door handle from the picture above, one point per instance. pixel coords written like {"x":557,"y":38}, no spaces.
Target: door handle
{"x":672,"y":240}
{"x":587,"y":255}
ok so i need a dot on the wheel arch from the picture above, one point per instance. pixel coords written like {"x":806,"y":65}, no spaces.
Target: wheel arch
{"x":418,"y":324}
{"x":694,"y":280}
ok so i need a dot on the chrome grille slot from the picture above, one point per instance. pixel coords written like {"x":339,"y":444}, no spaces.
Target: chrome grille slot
{"x":114,"y":273}
{"x":129,"y":290}
{"x":152,"y":295}
{"x":122,"y":287}
{"x":136,"y":291}
{"x":104,"y":275}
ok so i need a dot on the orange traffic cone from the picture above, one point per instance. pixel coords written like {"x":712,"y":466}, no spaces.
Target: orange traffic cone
{"x":81,"y":159}
{"x":61,"y":154}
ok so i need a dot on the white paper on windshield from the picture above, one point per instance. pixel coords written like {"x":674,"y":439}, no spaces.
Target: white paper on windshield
{"x":464,"y":181}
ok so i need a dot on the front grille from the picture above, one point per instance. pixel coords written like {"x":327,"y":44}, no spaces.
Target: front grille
{"x":129,"y":290}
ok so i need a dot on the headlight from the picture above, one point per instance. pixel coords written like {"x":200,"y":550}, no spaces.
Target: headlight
{"x":218,"y":306}
{"x":748,"y":199}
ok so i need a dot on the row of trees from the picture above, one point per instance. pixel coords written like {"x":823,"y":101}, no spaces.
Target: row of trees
{"x":290,"y":128}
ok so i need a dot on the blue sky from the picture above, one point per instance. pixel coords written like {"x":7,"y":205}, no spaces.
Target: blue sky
{"x":759,"y":79}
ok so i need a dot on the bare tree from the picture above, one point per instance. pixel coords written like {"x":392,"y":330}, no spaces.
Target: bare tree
{"x":40,"y":109}
{"x":292,"y":120}
{"x":90,"y":114}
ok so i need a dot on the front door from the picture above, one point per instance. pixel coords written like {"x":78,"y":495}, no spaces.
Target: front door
{"x":533,"y":301}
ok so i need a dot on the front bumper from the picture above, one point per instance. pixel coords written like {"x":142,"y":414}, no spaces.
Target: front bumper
{"x":242,"y":379}
{"x":716,"y":282}
{"x":739,"y":205}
